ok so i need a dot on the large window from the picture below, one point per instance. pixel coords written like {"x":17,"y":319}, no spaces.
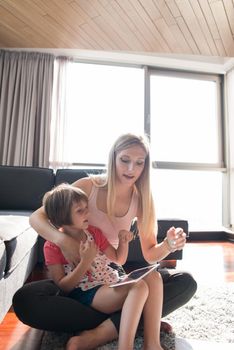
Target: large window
{"x":181,"y":112}
{"x":186,"y":145}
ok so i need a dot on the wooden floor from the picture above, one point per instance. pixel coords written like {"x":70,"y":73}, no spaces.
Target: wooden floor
{"x":209,"y":262}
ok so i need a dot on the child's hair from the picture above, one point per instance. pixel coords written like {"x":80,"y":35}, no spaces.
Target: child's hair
{"x":58,"y":203}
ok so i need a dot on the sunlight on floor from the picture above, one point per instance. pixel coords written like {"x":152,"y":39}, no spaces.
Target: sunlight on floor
{"x":18,"y":331}
{"x":191,"y":344}
{"x":205,"y":263}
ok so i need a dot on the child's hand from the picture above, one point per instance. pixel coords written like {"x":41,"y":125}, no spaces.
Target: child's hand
{"x":125,"y":236}
{"x":176,"y":238}
{"x":88,"y":251}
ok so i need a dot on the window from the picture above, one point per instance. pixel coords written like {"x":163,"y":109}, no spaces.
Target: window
{"x":103,"y":102}
{"x":192,"y":195}
{"x":186,"y":147}
{"x":182,"y":114}
{"x":184,"y":122}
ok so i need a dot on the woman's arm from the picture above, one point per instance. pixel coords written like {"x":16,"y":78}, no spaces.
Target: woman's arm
{"x":119,"y":255}
{"x":154,"y":252}
{"x":39,"y":221}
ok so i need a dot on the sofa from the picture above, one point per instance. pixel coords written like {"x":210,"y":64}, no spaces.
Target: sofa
{"x":21,"y":192}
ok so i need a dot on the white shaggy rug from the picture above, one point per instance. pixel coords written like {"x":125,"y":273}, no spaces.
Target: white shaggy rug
{"x":209,"y":316}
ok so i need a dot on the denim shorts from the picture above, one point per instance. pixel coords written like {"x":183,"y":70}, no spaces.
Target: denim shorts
{"x":84,"y":296}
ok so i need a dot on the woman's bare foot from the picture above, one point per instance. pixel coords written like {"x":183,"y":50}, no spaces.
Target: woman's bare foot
{"x":91,"y":339}
{"x":165,"y":327}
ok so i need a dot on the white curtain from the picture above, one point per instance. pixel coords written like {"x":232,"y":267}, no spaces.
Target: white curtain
{"x":58,"y":158}
{"x":230,"y":113}
{"x":26,"y":80}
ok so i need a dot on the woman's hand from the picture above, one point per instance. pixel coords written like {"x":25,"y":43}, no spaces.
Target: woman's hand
{"x":70,"y":249}
{"x":176,"y":238}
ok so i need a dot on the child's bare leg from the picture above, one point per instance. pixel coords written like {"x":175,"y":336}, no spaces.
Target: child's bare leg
{"x":93,"y":338}
{"x":152,"y":312}
{"x":131,"y":313}
{"x":132,"y":298}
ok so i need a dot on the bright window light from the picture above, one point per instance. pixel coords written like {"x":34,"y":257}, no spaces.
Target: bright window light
{"x":184,"y":123}
{"x":103,"y":102}
{"x":192,"y":195}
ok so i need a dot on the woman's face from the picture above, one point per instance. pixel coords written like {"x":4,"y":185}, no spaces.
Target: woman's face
{"x":130,"y":164}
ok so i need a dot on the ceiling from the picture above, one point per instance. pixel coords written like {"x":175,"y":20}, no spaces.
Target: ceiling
{"x":163,"y":27}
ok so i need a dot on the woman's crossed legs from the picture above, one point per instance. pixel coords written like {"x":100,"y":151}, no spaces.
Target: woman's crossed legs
{"x":39,"y":305}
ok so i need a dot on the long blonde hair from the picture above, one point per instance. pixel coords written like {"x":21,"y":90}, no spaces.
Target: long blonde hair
{"x":147,"y":220}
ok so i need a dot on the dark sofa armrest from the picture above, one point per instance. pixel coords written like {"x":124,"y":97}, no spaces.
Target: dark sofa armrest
{"x":165,"y":224}
{"x":22,"y":188}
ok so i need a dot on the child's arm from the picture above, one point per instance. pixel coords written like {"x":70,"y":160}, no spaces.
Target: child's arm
{"x":120,"y":254}
{"x":88,"y":251}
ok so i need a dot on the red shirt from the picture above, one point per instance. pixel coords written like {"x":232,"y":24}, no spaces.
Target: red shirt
{"x":53,"y":254}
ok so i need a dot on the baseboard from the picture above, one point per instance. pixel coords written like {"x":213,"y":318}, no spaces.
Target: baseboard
{"x":210,"y":236}
{"x":230,"y":236}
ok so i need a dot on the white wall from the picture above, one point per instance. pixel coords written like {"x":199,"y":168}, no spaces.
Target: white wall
{"x":230,"y":130}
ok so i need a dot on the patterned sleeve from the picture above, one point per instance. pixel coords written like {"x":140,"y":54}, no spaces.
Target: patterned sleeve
{"x":99,"y":238}
{"x":53,"y":254}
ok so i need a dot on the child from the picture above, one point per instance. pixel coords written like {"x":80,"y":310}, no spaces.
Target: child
{"x":67,"y":209}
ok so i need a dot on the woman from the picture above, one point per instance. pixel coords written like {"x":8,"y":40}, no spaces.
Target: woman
{"x":115,"y":199}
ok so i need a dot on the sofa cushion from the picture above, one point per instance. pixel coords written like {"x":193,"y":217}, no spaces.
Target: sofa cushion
{"x":12,"y":226}
{"x":2,"y":258}
{"x":19,"y":238}
{"x":16,"y":212}
{"x":22,"y":188}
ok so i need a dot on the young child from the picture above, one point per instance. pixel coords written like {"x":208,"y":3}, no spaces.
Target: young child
{"x":67,"y":209}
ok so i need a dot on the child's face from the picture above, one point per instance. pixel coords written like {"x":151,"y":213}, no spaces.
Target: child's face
{"x":79,"y":215}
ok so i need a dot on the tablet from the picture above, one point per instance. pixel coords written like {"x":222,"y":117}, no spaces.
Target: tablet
{"x":135,"y":275}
